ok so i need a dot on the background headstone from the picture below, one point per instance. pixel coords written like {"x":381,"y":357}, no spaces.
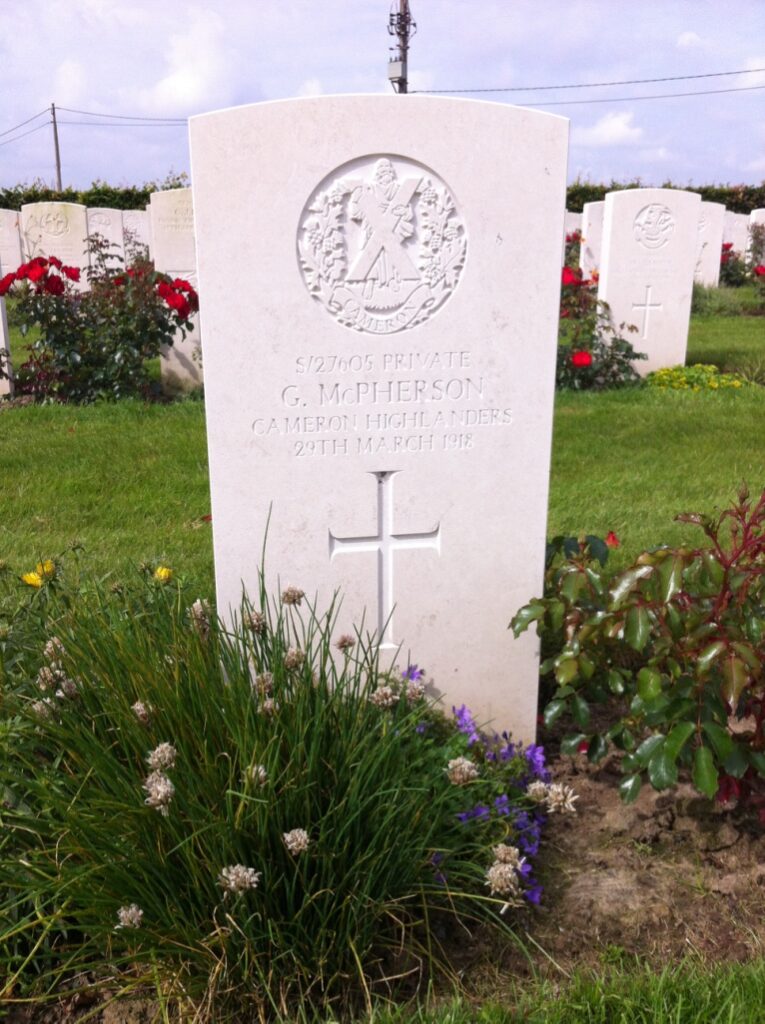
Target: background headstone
{"x":572,"y":222}
{"x":383,"y":386}
{"x":709,"y":244}
{"x":10,"y":258}
{"x":137,"y":229}
{"x":646,"y":275}
{"x":736,"y":231}
{"x":756,"y":219}
{"x":173,"y":249}
{"x":57,"y":229}
{"x":592,"y":236}
{"x":108,"y":223}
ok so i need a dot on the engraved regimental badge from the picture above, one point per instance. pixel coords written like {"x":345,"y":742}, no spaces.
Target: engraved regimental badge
{"x":653,"y":226}
{"x":381,"y":245}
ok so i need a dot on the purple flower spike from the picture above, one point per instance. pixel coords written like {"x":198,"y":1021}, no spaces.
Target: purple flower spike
{"x":535,"y":756}
{"x":466,"y":724}
{"x":534,"y":894}
{"x":413,"y":674}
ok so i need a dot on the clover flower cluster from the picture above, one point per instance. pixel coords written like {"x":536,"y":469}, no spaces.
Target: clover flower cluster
{"x":294,"y":659}
{"x":130,"y":916}
{"x":256,"y":773}
{"x":461,"y":770}
{"x":297,"y":841}
{"x":237,"y":879}
{"x":52,"y":677}
{"x":255,"y":622}
{"x":142,"y":712}
{"x":157,"y":786}
{"x":553,"y":795}
{"x":199,"y":617}
{"x":293,"y":595}
{"x":384,"y":697}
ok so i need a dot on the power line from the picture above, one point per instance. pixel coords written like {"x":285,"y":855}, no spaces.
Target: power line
{"x":636,"y":99}
{"x":600,"y":85}
{"x":33,"y":118}
{"x":122,"y":117}
{"x":109,"y":124}
{"x":23,"y":134}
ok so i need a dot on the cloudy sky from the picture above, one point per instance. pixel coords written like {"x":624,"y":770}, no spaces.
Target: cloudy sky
{"x":174,"y":59}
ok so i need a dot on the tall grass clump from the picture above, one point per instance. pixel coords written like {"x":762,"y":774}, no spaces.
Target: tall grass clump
{"x":245,"y":819}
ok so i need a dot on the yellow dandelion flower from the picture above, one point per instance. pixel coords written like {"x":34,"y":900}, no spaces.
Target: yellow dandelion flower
{"x":32,"y":579}
{"x":46,"y":569}
{"x":163,"y":574}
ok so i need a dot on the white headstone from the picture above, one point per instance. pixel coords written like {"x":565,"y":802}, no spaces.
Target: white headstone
{"x":56,"y":229}
{"x":646,"y":275}
{"x":382,"y":387}
{"x":709,"y":244}
{"x":572,"y":222}
{"x":137,"y":230}
{"x":592,"y":238}
{"x":10,"y":241}
{"x":736,"y":231}
{"x":174,"y":252}
{"x":756,"y":218}
{"x":108,"y":223}
{"x":10,"y":259}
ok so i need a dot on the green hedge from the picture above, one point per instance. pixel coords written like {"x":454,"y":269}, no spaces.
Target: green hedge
{"x":116,"y":197}
{"x":739,"y":198}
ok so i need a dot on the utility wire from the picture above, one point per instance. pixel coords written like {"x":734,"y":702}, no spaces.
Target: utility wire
{"x":122,"y":117}
{"x":599,"y":85}
{"x":634,"y":99}
{"x":33,"y":118}
{"x":110,"y":124}
{"x":23,"y":134}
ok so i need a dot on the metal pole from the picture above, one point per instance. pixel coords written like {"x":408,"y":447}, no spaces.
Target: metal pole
{"x":59,"y":186}
{"x":401,"y":26}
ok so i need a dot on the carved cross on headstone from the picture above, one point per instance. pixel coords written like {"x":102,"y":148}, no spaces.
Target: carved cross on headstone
{"x":385,"y":543}
{"x":647,"y":306}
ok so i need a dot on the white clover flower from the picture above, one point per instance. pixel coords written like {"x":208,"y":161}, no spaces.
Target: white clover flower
{"x":502,"y":880}
{"x":345,"y":643}
{"x":293,"y":659}
{"x":461,"y":770}
{"x":142,"y":712}
{"x":257,"y":773}
{"x":268,"y":707}
{"x":162,"y":756}
{"x":296,"y":841}
{"x":68,"y":689}
{"x":42,"y":708}
{"x":256,"y":621}
{"x":537,"y":791}
{"x":237,"y":878}
{"x":505,"y":854}
{"x":383,"y":697}
{"x":263,"y":684}
{"x":159,"y":792}
{"x":415,"y":690}
{"x":53,"y":650}
{"x":48,"y":677}
{"x":129,"y":917}
{"x":199,"y":616}
{"x":292,"y":595}
{"x":561,"y":799}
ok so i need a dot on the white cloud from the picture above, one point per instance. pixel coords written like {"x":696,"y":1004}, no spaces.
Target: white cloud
{"x":657,"y":154}
{"x":615,"y":129}
{"x":687,"y":40}
{"x":70,"y":83}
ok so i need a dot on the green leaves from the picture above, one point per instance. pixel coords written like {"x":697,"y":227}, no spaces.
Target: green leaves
{"x":704,"y":772}
{"x":637,"y":627}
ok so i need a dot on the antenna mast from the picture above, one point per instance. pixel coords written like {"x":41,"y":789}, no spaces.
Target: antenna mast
{"x":400,"y":25}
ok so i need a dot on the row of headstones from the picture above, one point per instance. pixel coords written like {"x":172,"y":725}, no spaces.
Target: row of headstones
{"x":648,"y":246}
{"x":717,"y":226}
{"x":165,"y":228}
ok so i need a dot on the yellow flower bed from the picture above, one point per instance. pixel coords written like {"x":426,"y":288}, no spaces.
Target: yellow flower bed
{"x":699,"y":377}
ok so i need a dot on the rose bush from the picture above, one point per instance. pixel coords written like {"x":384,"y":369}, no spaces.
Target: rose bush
{"x":94,"y":344}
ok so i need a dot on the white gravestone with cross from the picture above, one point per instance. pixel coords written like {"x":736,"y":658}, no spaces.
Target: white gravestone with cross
{"x":650,"y":238}
{"x":736,"y":231}
{"x":379,"y":373}
{"x":709,"y":242}
{"x":136,"y":231}
{"x":57,"y":229}
{"x":10,"y":259}
{"x":592,"y":238}
{"x":173,"y":249}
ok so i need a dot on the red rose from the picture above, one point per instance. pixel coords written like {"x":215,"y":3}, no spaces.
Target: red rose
{"x":760,"y":271}
{"x":177,"y":302}
{"x":73,"y":273}
{"x":570,"y":277}
{"x":164,"y":289}
{"x":182,"y":286}
{"x":35,"y":272}
{"x":727,"y":246}
{"x":55,"y":262}
{"x":54,"y":285}
{"x":581,"y":359}
{"x":6,"y":282}
{"x":612,"y":541}
{"x":119,"y":280}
